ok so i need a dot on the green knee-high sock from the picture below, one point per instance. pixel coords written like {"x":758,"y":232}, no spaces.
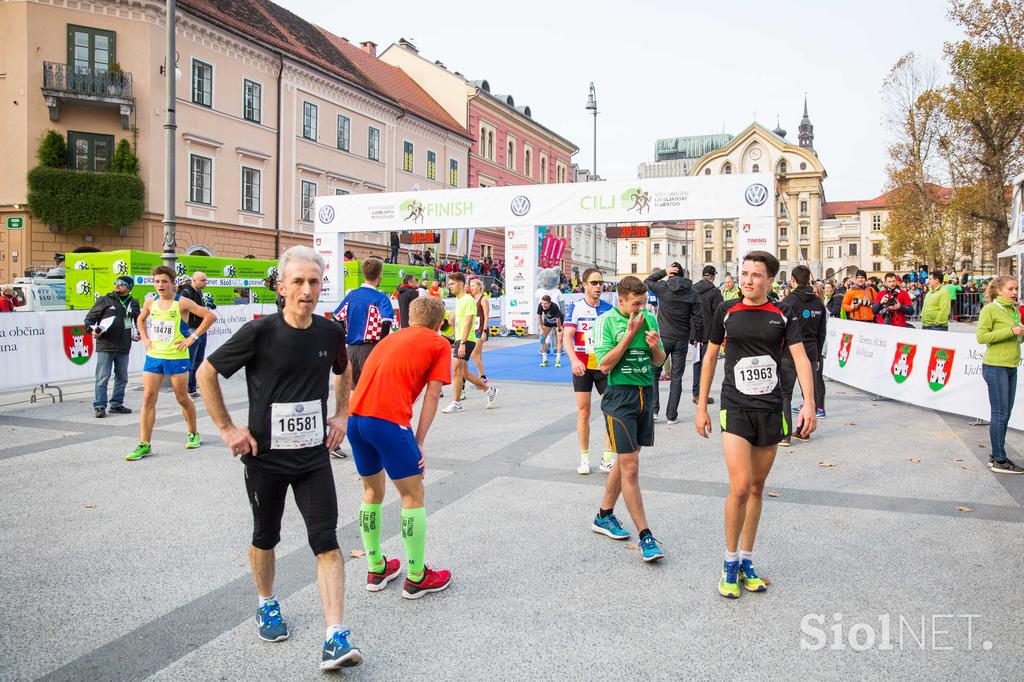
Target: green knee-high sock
{"x":414,"y":535}
{"x":369,"y":528}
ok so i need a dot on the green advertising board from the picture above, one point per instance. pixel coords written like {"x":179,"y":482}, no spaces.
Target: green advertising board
{"x":90,"y":275}
{"x":391,"y":275}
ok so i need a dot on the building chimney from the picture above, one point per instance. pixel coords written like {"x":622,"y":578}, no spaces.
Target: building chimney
{"x":369,"y":47}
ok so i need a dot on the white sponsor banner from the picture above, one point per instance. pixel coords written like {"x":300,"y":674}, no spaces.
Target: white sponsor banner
{"x":332,"y":248}
{"x":755,"y":234}
{"x":520,"y":277}
{"x":53,"y":347}
{"x":931,"y":369}
{"x":740,"y":196}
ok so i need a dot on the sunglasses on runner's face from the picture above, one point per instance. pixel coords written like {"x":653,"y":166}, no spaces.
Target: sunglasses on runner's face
{"x":595,"y":281}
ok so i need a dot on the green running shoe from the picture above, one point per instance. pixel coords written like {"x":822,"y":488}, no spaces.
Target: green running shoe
{"x":142,"y":450}
{"x":728,"y":586}
{"x":193,"y":441}
{"x":749,"y":578}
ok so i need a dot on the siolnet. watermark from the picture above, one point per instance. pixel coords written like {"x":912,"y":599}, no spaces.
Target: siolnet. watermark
{"x":892,"y":632}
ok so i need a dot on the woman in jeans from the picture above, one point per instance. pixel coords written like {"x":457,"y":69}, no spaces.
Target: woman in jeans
{"x":999,"y":328}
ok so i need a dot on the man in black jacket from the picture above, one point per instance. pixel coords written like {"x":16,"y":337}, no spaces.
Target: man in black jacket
{"x":804,"y":306}
{"x":679,"y":311}
{"x":710,"y":298}
{"x":406,"y":294}
{"x":396,"y":243}
{"x":112,"y":323}
{"x":197,"y":351}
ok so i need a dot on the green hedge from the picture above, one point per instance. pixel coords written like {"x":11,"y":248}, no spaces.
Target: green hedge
{"x":77,"y":200}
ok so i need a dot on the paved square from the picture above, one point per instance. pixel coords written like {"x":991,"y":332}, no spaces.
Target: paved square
{"x":123,"y":571}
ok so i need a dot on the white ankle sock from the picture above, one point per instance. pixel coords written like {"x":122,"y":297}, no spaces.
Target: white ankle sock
{"x":331,"y":629}
{"x":264,"y":600}
{"x":747,"y":556}
{"x":731,"y":556}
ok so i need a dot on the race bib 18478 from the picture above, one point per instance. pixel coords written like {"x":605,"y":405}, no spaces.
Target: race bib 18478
{"x":296,"y":425}
{"x":161,"y":330}
{"x":756,"y":376}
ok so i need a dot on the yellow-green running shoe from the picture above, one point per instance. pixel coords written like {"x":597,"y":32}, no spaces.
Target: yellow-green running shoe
{"x":141,"y":450}
{"x":193,"y":441}
{"x":749,"y":578}
{"x":728,"y":586}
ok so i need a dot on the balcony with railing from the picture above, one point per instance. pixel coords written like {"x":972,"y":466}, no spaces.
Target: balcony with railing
{"x":85,"y":85}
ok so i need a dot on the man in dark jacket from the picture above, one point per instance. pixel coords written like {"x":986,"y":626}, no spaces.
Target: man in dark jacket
{"x":807,"y":309}
{"x":197,"y":351}
{"x":710,"y":299}
{"x":396,"y":243}
{"x":406,"y":294}
{"x":112,"y":323}
{"x":679,"y":311}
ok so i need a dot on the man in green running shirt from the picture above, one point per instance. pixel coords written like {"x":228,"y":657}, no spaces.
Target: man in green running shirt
{"x":627,"y":345}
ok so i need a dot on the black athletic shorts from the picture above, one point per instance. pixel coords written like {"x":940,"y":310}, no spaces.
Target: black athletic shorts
{"x":629,"y":417}
{"x":314,"y":495}
{"x":357,"y":354}
{"x":760,"y":429}
{"x":470,"y":345}
{"x":591,"y":379}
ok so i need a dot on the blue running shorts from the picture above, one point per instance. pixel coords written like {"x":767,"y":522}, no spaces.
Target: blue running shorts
{"x":158,"y":366}
{"x":379,"y":444}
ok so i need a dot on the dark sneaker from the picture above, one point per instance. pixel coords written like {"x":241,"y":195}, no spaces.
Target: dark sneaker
{"x":1005,"y":466}
{"x":120,"y":409}
{"x":798,"y":436}
{"x":272,"y":625}
{"x":338,"y":653}
{"x":100,"y":413}
{"x":785,"y":443}
{"x":433,"y":581}
{"x":375,"y":582}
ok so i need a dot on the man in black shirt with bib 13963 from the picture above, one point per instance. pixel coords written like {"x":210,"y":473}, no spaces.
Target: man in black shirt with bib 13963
{"x":758,"y":333}
{"x":288,"y":358}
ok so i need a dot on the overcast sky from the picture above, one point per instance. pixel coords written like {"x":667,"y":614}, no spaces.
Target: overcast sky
{"x":671,"y":68}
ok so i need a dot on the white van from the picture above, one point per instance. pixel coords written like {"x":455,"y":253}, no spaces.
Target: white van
{"x":38,"y":294}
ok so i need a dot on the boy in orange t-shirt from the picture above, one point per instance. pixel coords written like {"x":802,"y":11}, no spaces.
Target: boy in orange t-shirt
{"x":380,"y":431}
{"x":859,"y":299}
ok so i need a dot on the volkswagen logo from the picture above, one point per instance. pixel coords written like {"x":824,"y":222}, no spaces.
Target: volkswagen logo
{"x":326,"y":213}
{"x":756,"y":194}
{"x":520,"y":206}
{"x":299,"y":408}
{"x":755,"y":362}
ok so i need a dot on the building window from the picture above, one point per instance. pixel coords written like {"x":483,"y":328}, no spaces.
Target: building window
{"x":803,"y":253}
{"x":89,"y":152}
{"x":727,"y":169}
{"x":309,"y":115}
{"x":543,"y":168}
{"x":202,"y":83}
{"x":250,"y":189}
{"x":829,"y":251}
{"x":728,"y":235}
{"x":803,"y":166}
{"x":707,"y":256}
{"x":528,"y":162}
{"x":682,"y":249}
{"x":483,"y":142}
{"x":876,"y":223}
{"x":707,"y":171}
{"x":90,"y":49}
{"x":408,"y":156}
{"x":803,"y":231}
{"x":853,"y":249}
{"x":252,"y":100}
{"x":783,"y":254}
{"x":876,"y":249}
{"x":373,"y":144}
{"x":510,"y":154}
{"x":200,"y":183}
{"x":561,"y":172}
{"x":707,"y":235}
{"x":344,"y":133}
{"x":338,"y":192}
{"x":782,"y":167}
{"x":453,"y":173}
{"x":877,"y":267}
{"x":839,"y":251}
{"x":431,"y":165}
{"x":657,"y":248}
{"x":782,"y":208}
{"x":490,"y":145}
{"x":783,"y":232}
{"x":803,"y":207}
{"x":634,"y":249}
{"x":306,"y":205}
{"x":632,"y":268}
{"x":728,"y":255}
{"x":755,"y":168}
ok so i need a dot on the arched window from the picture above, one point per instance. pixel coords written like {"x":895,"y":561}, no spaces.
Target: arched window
{"x":490,"y":145}
{"x":543,"y":169}
{"x":483,"y":143}
{"x":782,"y":167}
{"x":727,"y":169}
{"x":510,"y":158}
{"x":755,"y":168}
{"x":527,"y":163}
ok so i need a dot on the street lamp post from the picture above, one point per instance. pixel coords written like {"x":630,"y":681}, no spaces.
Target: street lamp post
{"x":170,"y":125}
{"x":592,"y":107}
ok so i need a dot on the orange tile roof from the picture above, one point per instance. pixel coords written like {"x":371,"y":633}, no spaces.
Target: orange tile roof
{"x":831,"y":209}
{"x":397,"y":83}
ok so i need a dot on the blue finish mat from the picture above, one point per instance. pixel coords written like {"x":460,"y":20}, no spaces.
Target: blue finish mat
{"x":522,"y":363}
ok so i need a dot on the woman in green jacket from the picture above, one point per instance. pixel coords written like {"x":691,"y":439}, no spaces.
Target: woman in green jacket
{"x":999,"y":328}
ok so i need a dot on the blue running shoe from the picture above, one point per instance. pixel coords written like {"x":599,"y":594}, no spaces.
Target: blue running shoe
{"x":272,"y":625}
{"x":748,"y":578}
{"x":609,"y":526}
{"x":728,"y":585}
{"x":650,"y":549}
{"x":339,"y":654}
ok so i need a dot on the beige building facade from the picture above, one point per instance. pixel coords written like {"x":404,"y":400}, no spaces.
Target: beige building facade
{"x":271,"y":112}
